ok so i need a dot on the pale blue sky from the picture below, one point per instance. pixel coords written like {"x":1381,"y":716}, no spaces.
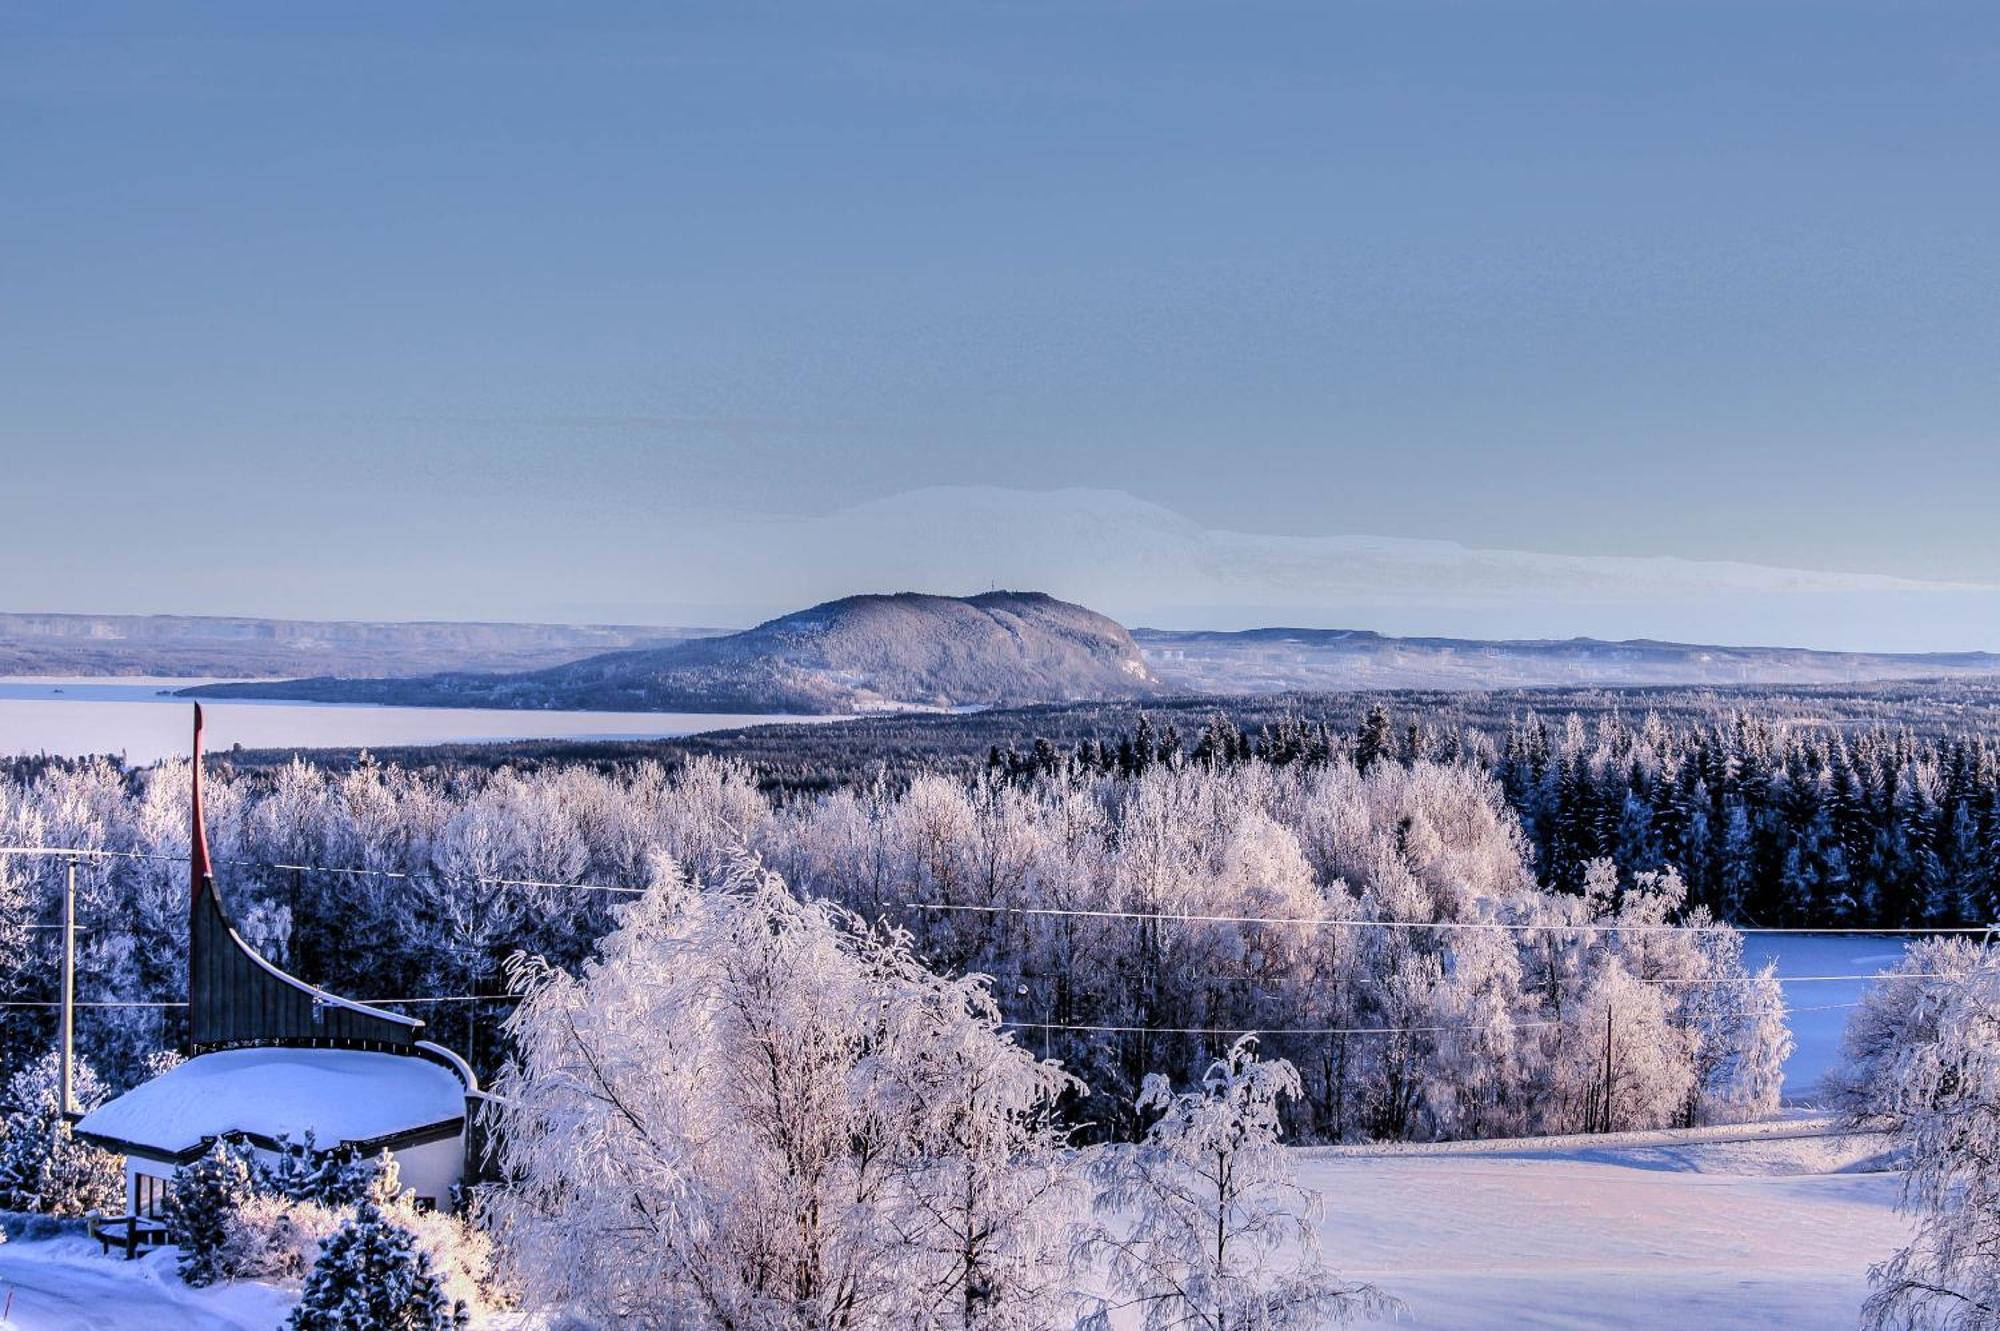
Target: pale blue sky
{"x":454,"y":308}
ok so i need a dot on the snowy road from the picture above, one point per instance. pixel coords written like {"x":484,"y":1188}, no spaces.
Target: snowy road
{"x":65,"y":1285}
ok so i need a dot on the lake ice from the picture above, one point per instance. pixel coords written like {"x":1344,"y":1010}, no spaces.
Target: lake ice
{"x":139,"y":718}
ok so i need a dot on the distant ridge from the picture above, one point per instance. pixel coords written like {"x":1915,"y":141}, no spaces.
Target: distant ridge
{"x":1277,"y":660}
{"x":877,"y":653}
{"x":1144,"y":563}
{"x":858,"y":654}
{"x":33,"y":643}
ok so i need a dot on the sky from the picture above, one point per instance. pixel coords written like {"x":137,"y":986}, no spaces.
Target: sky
{"x":606,"y":311}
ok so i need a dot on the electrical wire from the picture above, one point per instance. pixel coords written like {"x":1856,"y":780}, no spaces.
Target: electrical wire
{"x":1344,"y":1030}
{"x":1496,"y":926}
{"x":84,"y":853}
{"x":1499,"y":926}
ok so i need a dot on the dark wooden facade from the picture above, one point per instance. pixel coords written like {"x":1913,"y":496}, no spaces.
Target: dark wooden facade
{"x":236,"y":998}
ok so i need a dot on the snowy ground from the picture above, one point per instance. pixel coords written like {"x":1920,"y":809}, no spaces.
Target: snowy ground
{"x":1819,"y":1008}
{"x":66,"y":1285}
{"x":1772,"y":1226}
{"x":1768,"y":1227}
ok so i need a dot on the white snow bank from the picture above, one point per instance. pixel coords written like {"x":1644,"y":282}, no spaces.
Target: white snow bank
{"x":340,"y":1095}
{"x":66,"y":1284}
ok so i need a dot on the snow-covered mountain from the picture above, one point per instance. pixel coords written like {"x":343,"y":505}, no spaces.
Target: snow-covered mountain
{"x":1146,"y":564}
{"x":860,"y":653}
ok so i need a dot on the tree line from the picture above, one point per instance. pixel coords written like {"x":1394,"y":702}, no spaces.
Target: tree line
{"x":1768,"y":823}
{"x":1381,"y":923}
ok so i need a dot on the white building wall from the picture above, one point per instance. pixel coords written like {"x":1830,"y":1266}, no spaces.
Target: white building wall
{"x":430,"y":1170}
{"x":433,"y":1169}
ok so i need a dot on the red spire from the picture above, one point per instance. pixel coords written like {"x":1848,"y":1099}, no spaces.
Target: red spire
{"x":198,"y":833}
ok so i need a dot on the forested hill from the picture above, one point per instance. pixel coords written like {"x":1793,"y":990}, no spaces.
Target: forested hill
{"x":859,"y":654}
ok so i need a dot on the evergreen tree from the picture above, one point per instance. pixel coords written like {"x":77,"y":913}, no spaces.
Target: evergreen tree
{"x":302,"y":1172}
{"x":205,"y":1195}
{"x":1374,"y":742}
{"x":43,"y":1167}
{"x":371,"y":1276}
{"x":22,"y":1029}
{"x":338,"y":1177}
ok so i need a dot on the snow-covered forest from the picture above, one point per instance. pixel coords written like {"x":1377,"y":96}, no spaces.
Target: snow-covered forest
{"x":1768,"y":822}
{"x":771,"y":1058}
{"x":985,"y":1027}
{"x":1382,"y":928}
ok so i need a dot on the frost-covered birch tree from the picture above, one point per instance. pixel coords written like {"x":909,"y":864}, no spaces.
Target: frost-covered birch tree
{"x":1946,"y":1116}
{"x":1899,"y":1013}
{"x":755,"y":1111}
{"x":1204,"y":1226}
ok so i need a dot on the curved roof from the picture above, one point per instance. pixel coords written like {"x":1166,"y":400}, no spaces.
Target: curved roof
{"x":236,"y":997}
{"x":343,"y":1096}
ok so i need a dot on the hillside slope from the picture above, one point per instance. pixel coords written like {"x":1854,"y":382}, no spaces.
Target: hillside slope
{"x":858,"y":654}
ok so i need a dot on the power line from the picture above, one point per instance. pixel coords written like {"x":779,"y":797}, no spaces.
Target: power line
{"x":1808,"y":979}
{"x":1502,"y":926}
{"x":1717,"y":980}
{"x":1011,"y":1024}
{"x":72,"y":852}
{"x":449,"y":998}
{"x":1343,"y":1030}
{"x":56,"y":1002}
{"x":1165,"y":917}
{"x":172,"y":1003}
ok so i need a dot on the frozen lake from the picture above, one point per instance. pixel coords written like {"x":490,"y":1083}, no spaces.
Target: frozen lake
{"x":140,"y":719}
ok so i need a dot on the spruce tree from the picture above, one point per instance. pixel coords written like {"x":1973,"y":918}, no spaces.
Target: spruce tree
{"x":205,"y":1194}
{"x":1373,"y":743}
{"x":371,"y":1276}
{"x":304,"y":1173}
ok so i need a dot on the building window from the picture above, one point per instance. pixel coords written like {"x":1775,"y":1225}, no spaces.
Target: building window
{"x":149,"y":1195}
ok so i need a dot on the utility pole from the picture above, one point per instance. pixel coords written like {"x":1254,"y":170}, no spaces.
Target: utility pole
{"x":1607,"y":1069}
{"x":67,"y":1091}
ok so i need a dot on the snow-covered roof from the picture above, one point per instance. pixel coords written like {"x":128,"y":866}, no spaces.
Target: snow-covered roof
{"x":341,"y":1095}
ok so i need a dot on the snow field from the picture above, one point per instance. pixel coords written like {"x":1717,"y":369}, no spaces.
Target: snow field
{"x":1769,"y":1227}
{"x":1817,"y":1011}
